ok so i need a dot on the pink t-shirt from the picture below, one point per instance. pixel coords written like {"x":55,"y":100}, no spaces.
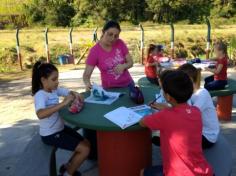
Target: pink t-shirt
{"x":181,"y":137}
{"x":106,"y":61}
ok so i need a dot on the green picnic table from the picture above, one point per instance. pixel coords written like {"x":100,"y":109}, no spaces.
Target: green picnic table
{"x":120,"y":152}
{"x":224,"y":97}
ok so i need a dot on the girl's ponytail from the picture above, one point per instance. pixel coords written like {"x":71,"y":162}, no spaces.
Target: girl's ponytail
{"x":36,"y":82}
{"x":192,"y":72}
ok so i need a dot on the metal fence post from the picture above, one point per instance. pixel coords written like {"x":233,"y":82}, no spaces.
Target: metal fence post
{"x":71,"y":44}
{"x":18,"y":49}
{"x":95,"y":36}
{"x":46,"y":45}
{"x":172,"y":40}
{"x":142,"y":44}
{"x":208,"y":38}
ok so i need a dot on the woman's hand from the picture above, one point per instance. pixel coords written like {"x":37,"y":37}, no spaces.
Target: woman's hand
{"x":88,"y":86}
{"x":119,"y":69}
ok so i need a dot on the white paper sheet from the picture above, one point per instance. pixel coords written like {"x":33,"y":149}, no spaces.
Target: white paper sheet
{"x":100,"y":96}
{"x":201,"y":65}
{"x":123,"y":117}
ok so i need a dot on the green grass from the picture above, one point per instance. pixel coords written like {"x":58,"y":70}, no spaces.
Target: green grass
{"x":33,"y":45}
{"x":11,"y":7}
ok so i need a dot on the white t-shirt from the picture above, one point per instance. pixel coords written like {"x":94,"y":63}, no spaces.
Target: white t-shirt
{"x":42,"y":100}
{"x":202,"y":99}
{"x":160,"y":97}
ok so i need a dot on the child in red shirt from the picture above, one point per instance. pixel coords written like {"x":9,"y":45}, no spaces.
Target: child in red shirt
{"x":180,"y":131}
{"x":152,"y":65}
{"x":219,"y":79}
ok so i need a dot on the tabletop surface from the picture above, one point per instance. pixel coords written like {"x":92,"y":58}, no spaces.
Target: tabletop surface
{"x":230,"y":89}
{"x":92,"y":115}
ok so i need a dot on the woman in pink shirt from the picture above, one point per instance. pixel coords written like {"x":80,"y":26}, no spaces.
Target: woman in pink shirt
{"x":110,"y":54}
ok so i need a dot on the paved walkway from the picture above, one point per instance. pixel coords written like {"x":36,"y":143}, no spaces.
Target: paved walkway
{"x":14,"y":137}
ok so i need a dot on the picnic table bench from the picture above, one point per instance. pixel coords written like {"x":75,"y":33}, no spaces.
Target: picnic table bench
{"x":38,"y":159}
{"x":224,"y":97}
{"x":225,"y":100}
{"x":220,"y":157}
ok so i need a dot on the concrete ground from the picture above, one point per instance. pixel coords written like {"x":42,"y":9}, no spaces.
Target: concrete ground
{"x":15,"y":136}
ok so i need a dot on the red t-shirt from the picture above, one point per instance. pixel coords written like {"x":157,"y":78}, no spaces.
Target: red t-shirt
{"x":151,"y":71}
{"x":181,"y":137}
{"x":223,"y":73}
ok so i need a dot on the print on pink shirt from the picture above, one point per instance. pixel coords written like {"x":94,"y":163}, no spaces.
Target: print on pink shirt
{"x":113,"y":62}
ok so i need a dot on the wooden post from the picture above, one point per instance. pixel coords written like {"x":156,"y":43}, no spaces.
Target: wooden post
{"x":71,"y":44}
{"x":46,"y":45}
{"x":172,"y":39}
{"x":208,"y":38}
{"x":142,"y":44}
{"x":95,"y":36}
{"x":18,"y":49}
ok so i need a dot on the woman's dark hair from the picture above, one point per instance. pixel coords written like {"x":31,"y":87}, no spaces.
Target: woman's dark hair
{"x":221,"y":46}
{"x":40,"y":70}
{"x":192,"y":72}
{"x":111,"y":24}
{"x":178,"y":85}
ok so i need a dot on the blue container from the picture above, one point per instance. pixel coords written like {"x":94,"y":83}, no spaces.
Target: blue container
{"x":62,"y":59}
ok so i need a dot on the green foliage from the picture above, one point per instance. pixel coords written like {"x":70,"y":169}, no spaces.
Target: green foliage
{"x":90,"y":12}
{"x":176,"y":10}
{"x":225,"y":9}
{"x":49,"y":12}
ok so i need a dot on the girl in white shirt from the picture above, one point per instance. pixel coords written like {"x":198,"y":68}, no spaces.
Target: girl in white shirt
{"x":202,"y":99}
{"x":52,"y":129}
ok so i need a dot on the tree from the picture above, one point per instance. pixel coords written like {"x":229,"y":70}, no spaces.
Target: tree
{"x":51,"y":12}
{"x":175,"y":10}
{"x":224,"y":8}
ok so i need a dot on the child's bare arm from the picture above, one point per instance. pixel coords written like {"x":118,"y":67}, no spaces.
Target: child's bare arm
{"x":216,"y":70}
{"x":44,"y":113}
{"x":141,"y":123}
{"x":151,"y":64}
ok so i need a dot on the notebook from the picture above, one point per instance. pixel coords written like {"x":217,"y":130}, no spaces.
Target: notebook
{"x":123,"y":117}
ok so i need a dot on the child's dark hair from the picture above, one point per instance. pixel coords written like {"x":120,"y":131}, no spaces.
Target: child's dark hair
{"x":111,"y":24}
{"x":192,"y":72}
{"x":150,"y":49}
{"x":178,"y":85}
{"x":221,"y":46}
{"x":40,"y":70}
{"x":164,"y":73}
{"x":159,"y":48}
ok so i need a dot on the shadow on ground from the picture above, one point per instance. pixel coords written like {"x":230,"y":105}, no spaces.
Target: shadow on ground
{"x":13,"y":140}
